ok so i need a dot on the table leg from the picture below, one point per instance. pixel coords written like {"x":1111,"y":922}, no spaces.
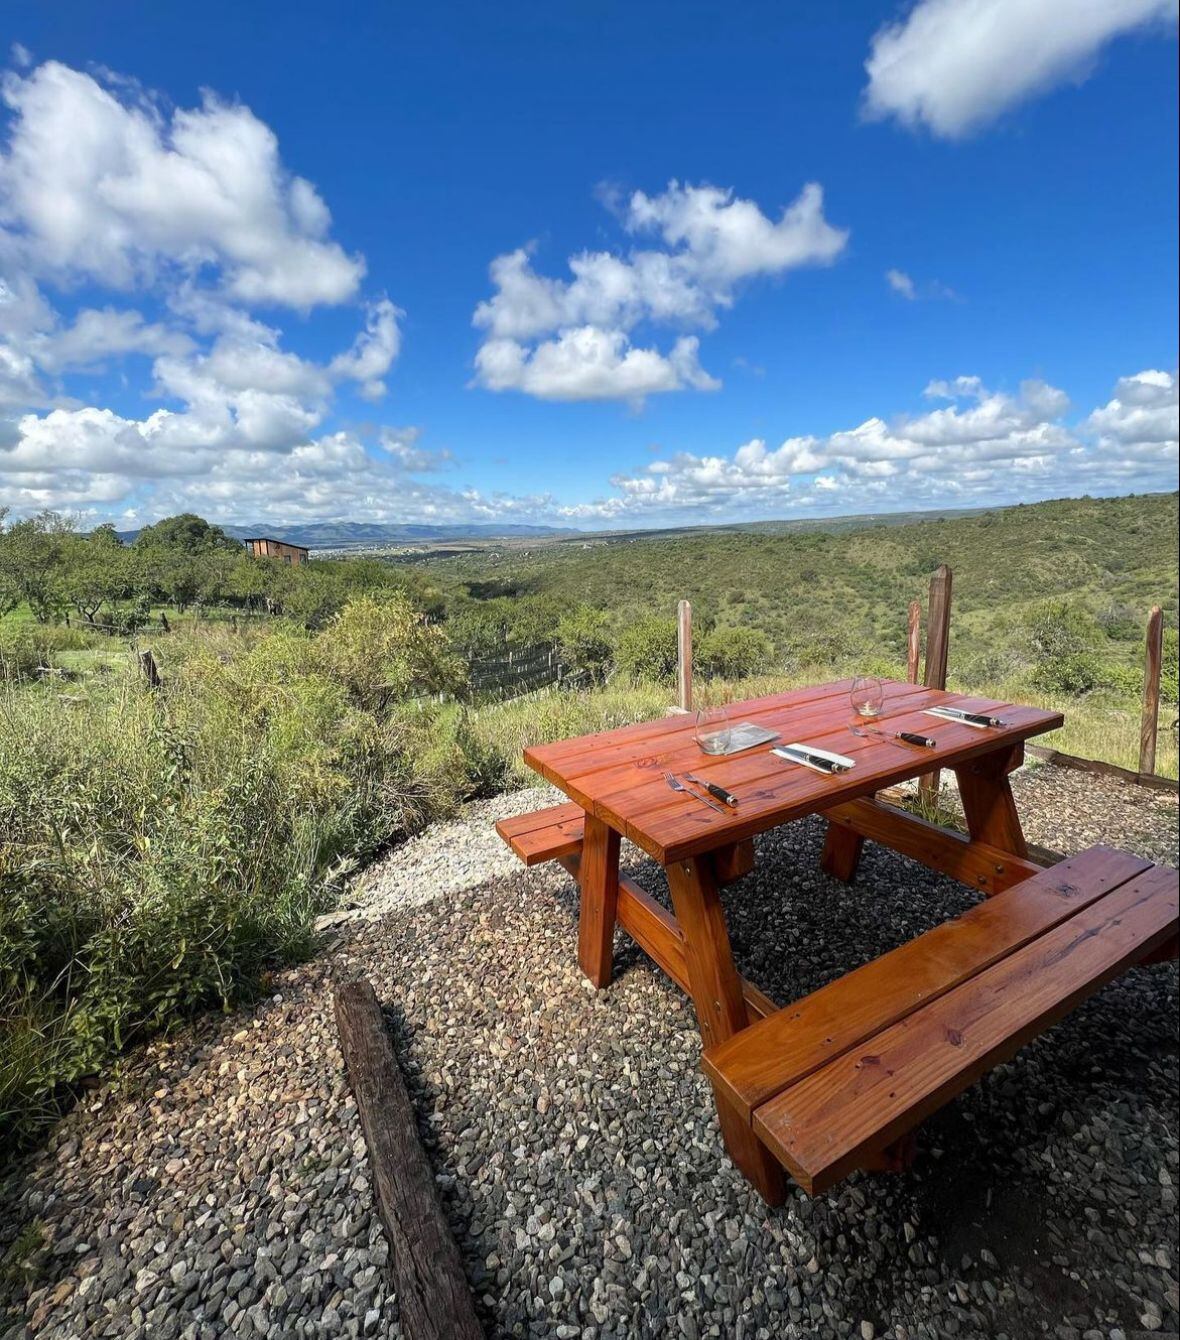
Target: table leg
{"x":721,"y":1010}
{"x":599,"y":879}
{"x":841,"y":854}
{"x":988,"y":804}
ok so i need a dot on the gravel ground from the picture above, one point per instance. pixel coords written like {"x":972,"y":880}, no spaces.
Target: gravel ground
{"x":219,"y":1186}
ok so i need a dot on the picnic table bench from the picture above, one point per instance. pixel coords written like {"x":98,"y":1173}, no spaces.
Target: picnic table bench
{"x":840,"y":1079}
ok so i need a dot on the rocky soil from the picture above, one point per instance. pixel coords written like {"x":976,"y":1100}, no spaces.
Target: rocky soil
{"x":218,"y":1186}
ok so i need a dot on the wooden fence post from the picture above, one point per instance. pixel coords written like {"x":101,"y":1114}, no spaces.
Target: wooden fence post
{"x":1149,"y":725}
{"x":938,"y":628}
{"x":147,"y":663}
{"x":937,"y":644}
{"x":684,"y":656}
{"x":913,"y":641}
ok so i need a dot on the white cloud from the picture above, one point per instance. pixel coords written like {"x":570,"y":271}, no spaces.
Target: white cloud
{"x":588,"y":363}
{"x":194,"y":214}
{"x":900,"y":282}
{"x":966,"y":452}
{"x":97,"y":183}
{"x":572,"y":339}
{"x":954,"y":65}
{"x":373,"y":351}
{"x":1141,"y":423}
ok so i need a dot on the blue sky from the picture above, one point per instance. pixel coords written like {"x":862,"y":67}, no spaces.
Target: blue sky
{"x":246,"y":255}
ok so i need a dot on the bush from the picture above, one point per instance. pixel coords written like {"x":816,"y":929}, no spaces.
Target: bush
{"x":160,"y":851}
{"x":648,"y":649}
{"x":583,"y":637}
{"x":733,"y":653}
{"x":1072,"y":675}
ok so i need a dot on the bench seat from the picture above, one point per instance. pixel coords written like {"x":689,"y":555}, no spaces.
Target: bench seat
{"x":832,"y":1082}
{"x":545,"y":835}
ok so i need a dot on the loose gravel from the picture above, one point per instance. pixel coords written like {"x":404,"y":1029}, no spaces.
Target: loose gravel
{"x":219,"y":1186}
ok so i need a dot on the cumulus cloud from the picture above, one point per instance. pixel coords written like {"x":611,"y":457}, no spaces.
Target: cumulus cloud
{"x":966,"y":451}
{"x":572,"y":339}
{"x":192,"y":223}
{"x":952,"y":66}
{"x":98,"y":183}
{"x":900,"y":282}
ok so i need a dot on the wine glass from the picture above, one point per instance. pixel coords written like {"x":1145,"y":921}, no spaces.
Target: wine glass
{"x":712,"y":728}
{"x":867,"y":696}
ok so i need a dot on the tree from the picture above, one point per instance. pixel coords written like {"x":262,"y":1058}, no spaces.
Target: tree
{"x":186,"y":534}
{"x":31,"y":554}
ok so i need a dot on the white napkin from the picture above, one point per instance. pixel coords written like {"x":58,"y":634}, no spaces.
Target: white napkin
{"x":949,"y":716}
{"x":842,"y":759}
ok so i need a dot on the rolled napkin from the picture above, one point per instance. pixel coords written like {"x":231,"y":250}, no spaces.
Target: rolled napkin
{"x":818,"y":760}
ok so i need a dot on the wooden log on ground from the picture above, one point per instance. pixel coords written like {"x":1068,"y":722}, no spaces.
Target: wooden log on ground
{"x":433,"y":1295}
{"x":1149,"y":724}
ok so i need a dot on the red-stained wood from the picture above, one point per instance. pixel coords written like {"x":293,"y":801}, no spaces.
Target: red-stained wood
{"x":793,"y":1042}
{"x":732,"y":862}
{"x":826,"y":1125}
{"x":938,"y":640}
{"x":721,"y":1009}
{"x":982,"y":866}
{"x":622,"y":781}
{"x":988,"y":804}
{"x":599,"y":901}
{"x":545,"y":835}
{"x":656,"y":931}
{"x":842,"y":848}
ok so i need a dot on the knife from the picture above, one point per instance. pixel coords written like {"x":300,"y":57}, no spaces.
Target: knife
{"x":910,"y":737}
{"x":677,"y":785}
{"x":976,"y":718}
{"x":713,"y":789}
{"x":797,"y":755}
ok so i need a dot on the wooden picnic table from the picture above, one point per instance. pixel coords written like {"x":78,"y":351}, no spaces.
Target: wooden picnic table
{"x":616,"y":779}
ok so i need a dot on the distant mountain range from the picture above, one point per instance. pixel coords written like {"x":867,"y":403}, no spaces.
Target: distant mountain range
{"x":339,"y":534}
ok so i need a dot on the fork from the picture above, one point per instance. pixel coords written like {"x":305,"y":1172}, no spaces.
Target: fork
{"x":677,"y":785}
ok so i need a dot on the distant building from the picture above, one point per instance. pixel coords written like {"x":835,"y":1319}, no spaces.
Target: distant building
{"x":280,"y":549}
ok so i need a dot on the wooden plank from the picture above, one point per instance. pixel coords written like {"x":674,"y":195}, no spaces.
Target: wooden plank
{"x":656,"y":931}
{"x":982,"y":866}
{"x":721,"y":1009}
{"x":634,"y":791}
{"x":842,"y":847}
{"x":988,"y":803}
{"x":913,"y":641}
{"x":803,"y":1037}
{"x":1149,"y":722}
{"x":826,"y":1125}
{"x":599,"y":900}
{"x":544,"y":835}
{"x":434,"y":1299}
{"x":1100,"y":769}
{"x":733,"y":861}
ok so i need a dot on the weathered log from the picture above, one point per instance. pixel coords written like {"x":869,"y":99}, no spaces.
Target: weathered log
{"x":433,"y":1294}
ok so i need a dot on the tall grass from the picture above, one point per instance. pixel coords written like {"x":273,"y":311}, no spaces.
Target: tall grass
{"x":159,"y":852}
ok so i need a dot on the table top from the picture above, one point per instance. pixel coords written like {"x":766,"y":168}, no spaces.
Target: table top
{"x":618,"y":775}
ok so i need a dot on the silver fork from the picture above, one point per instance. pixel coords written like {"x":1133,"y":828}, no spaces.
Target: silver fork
{"x":677,"y":785}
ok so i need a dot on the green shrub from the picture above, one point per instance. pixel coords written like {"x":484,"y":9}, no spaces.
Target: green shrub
{"x":648,"y":650}
{"x":584,"y":638}
{"x":1072,"y":675}
{"x":733,"y":653}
